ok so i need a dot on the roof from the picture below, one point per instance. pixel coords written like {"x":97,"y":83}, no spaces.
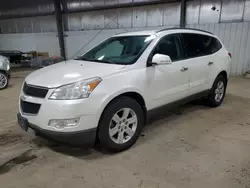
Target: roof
{"x":134,"y":33}
{"x":184,"y":29}
{"x":151,"y":32}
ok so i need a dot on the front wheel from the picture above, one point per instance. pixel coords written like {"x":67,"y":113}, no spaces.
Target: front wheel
{"x":4,"y":80}
{"x":218,"y":91}
{"x":121,"y":124}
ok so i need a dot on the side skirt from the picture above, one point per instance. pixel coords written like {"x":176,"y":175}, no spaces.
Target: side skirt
{"x":178,"y":103}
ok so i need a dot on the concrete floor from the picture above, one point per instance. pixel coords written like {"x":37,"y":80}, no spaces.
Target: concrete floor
{"x":193,"y":146}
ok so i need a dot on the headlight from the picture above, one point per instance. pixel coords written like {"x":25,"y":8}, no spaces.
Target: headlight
{"x":7,"y":63}
{"x":77,"y":90}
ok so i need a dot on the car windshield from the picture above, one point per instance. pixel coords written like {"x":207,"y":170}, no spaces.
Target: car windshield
{"x":122,"y":50}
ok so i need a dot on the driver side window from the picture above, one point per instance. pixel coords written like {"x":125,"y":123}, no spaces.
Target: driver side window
{"x":169,"y":45}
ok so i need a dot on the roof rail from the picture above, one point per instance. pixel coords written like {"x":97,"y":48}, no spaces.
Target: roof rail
{"x":166,"y":29}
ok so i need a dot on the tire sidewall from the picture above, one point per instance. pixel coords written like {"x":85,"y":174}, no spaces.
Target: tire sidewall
{"x":110,"y":110}
{"x":6,"y":79}
{"x":212,"y":95}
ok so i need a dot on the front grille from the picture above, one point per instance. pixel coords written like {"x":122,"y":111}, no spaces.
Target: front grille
{"x":34,"y":91}
{"x":30,"y":108}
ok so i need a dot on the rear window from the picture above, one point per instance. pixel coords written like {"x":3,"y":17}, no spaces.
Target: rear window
{"x":196,"y":45}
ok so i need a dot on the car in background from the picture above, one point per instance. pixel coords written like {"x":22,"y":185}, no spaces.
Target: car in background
{"x":105,"y":95}
{"x":4,"y":72}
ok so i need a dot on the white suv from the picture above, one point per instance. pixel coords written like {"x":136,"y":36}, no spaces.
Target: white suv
{"x":105,"y":94}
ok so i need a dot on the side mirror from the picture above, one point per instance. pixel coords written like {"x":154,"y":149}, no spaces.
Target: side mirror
{"x":160,"y":59}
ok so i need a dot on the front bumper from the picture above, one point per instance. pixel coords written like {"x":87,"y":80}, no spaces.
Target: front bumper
{"x":79,"y":138}
{"x":60,"y":109}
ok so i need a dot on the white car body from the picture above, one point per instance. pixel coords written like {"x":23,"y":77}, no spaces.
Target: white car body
{"x":4,"y":64}
{"x":157,"y":85}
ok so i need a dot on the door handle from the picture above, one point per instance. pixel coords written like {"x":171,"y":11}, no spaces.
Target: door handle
{"x":183,"y":69}
{"x":210,"y":63}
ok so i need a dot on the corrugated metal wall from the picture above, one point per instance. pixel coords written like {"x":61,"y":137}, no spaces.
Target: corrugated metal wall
{"x":137,"y":17}
{"x":41,"y":24}
{"x":217,"y":11}
{"x":229,"y":19}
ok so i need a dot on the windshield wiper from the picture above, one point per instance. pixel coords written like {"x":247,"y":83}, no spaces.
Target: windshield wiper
{"x":105,"y":61}
{"x":81,"y":59}
{"x":96,"y":60}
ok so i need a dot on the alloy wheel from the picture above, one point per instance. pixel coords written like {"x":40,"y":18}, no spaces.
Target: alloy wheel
{"x":123,"y":125}
{"x":3,"y":80}
{"x":219,"y":91}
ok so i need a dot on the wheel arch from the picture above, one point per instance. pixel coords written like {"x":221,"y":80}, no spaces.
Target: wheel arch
{"x":215,"y":75}
{"x":224,"y":73}
{"x":131,"y":94}
{"x":4,"y":71}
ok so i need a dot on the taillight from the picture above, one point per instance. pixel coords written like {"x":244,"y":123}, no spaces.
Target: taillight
{"x":230,"y":55}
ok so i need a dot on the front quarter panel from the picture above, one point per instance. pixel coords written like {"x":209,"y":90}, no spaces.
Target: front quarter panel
{"x":115,"y":85}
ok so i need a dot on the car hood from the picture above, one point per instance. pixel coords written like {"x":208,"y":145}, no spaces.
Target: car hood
{"x":70,"y":71}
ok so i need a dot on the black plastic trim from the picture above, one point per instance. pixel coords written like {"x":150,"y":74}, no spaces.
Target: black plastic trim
{"x":35,"y":91}
{"x":79,"y":138}
{"x":174,"y":28}
{"x":178,"y":103}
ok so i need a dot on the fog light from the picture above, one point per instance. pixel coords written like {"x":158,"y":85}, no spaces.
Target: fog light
{"x":63,"y":123}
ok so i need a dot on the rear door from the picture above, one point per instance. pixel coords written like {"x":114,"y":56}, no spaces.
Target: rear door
{"x":198,"y":59}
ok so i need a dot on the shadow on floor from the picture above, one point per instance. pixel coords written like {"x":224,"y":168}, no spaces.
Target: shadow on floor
{"x":71,"y":150}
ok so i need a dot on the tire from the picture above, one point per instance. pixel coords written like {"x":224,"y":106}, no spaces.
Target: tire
{"x":213,"y":99}
{"x":108,"y":123}
{"x":4,"y":80}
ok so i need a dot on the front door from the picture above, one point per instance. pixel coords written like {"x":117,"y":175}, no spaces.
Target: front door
{"x":170,"y":82}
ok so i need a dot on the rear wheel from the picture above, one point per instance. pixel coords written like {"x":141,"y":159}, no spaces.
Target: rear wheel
{"x":218,"y":91}
{"x":4,"y":80}
{"x":121,"y":124}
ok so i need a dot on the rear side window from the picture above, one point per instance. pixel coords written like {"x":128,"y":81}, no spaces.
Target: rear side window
{"x":210,"y":44}
{"x":196,"y":45}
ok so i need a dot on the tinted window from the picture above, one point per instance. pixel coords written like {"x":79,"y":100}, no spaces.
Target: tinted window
{"x":196,"y":45}
{"x":192,"y":45}
{"x":210,"y":44}
{"x":118,"y":50}
{"x":169,"y":45}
